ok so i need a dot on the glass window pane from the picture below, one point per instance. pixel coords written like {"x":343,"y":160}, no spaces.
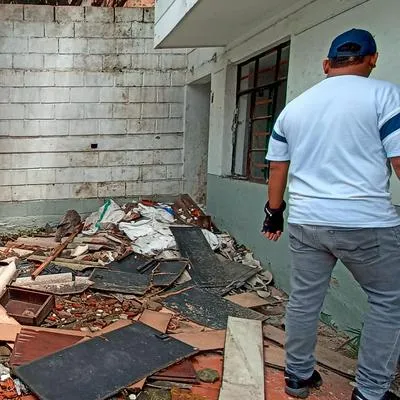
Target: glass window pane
{"x":242,"y":135}
{"x":263,"y":103}
{"x":247,"y":76}
{"x":284,"y":67}
{"x":258,"y":166}
{"x":266,"y":69}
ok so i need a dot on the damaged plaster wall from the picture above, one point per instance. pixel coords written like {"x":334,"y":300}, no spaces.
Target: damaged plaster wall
{"x":88,"y":110}
{"x":238,"y":205}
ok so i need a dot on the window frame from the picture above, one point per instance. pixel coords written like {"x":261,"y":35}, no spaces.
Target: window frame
{"x":253,"y":91}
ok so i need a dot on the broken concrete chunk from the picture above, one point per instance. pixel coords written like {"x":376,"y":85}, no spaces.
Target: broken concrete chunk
{"x":208,"y":375}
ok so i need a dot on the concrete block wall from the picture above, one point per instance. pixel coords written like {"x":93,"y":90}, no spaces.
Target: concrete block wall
{"x":88,"y":109}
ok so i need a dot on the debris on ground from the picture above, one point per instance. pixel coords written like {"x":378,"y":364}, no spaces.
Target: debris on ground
{"x":141,"y":293}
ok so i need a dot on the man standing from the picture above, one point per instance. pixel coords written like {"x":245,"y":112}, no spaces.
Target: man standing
{"x":333,"y":143}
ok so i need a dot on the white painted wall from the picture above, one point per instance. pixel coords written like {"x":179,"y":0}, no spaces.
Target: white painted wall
{"x":71,"y":77}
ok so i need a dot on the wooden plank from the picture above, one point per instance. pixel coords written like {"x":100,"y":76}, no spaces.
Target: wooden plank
{"x":243,"y":376}
{"x":156,"y":320}
{"x":204,"y":341}
{"x":327,"y":358}
{"x":248,"y":299}
{"x":274,"y":357}
{"x":9,"y":327}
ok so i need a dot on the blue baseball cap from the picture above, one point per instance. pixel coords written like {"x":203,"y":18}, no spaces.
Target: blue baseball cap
{"x":363,"y":39}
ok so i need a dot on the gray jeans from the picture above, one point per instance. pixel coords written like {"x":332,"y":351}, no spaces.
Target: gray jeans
{"x":373,"y":257}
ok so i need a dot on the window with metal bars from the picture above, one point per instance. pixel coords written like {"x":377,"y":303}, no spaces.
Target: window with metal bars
{"x":261,"y":96}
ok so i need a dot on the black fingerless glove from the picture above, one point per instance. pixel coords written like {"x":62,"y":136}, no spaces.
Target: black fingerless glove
{"x":273,"y":218}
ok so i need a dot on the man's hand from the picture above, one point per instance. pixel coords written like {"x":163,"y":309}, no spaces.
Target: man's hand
{"x":273,"y":223}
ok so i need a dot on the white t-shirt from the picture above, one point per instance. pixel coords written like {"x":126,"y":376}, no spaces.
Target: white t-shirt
{"x":338,"y":137}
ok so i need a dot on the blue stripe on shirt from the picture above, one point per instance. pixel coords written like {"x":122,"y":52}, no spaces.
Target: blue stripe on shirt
{"x":278,"y":137}
{"x":390,"y":126}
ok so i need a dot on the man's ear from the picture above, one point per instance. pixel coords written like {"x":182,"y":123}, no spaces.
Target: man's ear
{"x":326,"y":66}
{"x":373,"y":60}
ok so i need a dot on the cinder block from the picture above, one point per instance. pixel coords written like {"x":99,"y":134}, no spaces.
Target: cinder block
{"x":84,"y":190}
{"x":6,"y":193}
{"x":114,"y":95}
{"x":26,"y":160}
{"x":176,"y":110}
{"x":83,"y":127}
{"x":154,"y":172}
{"x":29,"y":29}
{"x":69,"y":13}
{"x":69,"y":78}
{"x":54,"y":95}
{"x":102,"y":46}
{"x":154,"y":110}
{"x":103,"y":30}
{"x":4,"y":131}
{"x":17,"y":128}
{"x":6,"y":28}
{"x":129,"y":79}
{"x":178,"y":78}
{"x":11,"y":78}
{"x":85,"y":95}
{"x":61,"y":30}
{"x":99,"y":14}
{"x":12,"y":177}
{"x":11,"y":111}
{"x":168,"y":157}
{"x":98,"y":110}
{"x":126,"y":110}
{"x":145,"y":157}
{"x":53,"y":128}
{"x":99,"y":79}
{"x":149,"y":14}
{"x":86,"y":159}
{"x":139,"y":188}
{"x":38,"y":13}
{"x":26,"y":192}
{"x":41,"y":176}
{"x":39,"y":111}
{"x":13,"y":45}
{"x":141,"y":126}
{"x":117,"y":62}
{"x":5,"y":159}
{"x":58,"y":61}
{"x":145,"y":61}
{"x":142,"y":30}
{"x":73,"y":46}
{"x":88,"y":63}
{"x":24,"y":95}
{"x":43,"y":45}
{"x":69,"y":111}
{"x":125,"y":173}
{"x":123,"y":14}
{"x":168,"y":187}
{"x":5,"y":95}
{"x":28,"y":128}
{"x":112,"y":158}
{"x":99,"y":174}
{"x":35,"y":79}
{"x":152,"y":78}
{"x":143,"y":95}
{"x":55,"y":191}
{"x":111,"y":189}
{"x":69,"y":175}
{"x":31,"y":61}
{"x":170,"y":95}
{"x":113,"y":127}
{"x":173,"y":62}
{"x":174,"y":171}
{"x":129,"y":46}
{"x":11,"y":12}
{"x":5,"y":61}
{"x":169,"y":125}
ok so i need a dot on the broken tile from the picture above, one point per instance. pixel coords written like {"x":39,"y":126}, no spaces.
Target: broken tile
{"x":156,"y":320}
{"x":247,"y":299}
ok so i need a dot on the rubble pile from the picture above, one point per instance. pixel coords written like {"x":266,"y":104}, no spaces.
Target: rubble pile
{"x":131,"y":302}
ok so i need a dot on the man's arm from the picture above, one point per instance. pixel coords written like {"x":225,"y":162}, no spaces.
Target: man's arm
{"x":278,"y":173}
{"x":396,"y":165}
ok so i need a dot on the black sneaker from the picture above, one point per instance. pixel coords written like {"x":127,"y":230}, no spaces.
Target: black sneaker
{"x":388,"y":396}
{"x":301,"y":387}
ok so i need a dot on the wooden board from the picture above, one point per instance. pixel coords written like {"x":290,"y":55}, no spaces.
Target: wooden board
{"x":9,"y":327}
{"x":274,"y":356}
{"x":156,"y":320}
{"x":204,"y":341}
{"x":243,"y":376}
{"x":249,"y":300}
{"x":327,"y":358}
